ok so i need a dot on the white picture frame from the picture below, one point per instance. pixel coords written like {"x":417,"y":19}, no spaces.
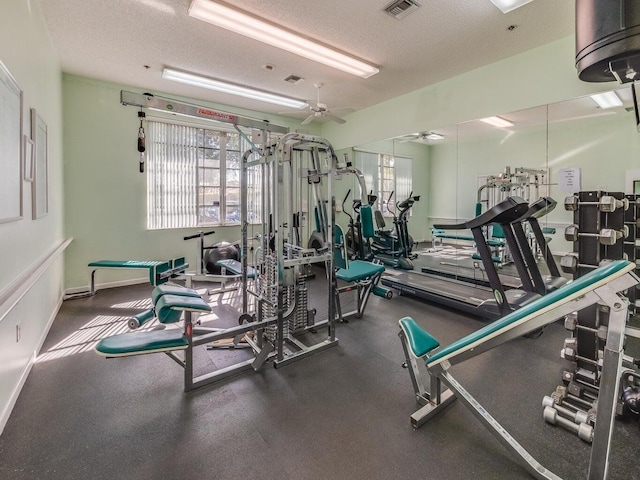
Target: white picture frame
{"x":40,"y":183}
{"x":11,"y":98}
{"x":28,"y":158}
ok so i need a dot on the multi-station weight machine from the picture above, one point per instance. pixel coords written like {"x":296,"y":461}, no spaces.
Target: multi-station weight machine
{"x":278,"y":319}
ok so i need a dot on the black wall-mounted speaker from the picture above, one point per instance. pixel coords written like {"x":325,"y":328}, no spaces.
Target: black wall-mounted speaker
{"x":608,"y":40}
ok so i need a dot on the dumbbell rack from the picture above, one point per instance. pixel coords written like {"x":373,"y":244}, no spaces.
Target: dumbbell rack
{"x":632,"y":246}
{"x":574,"y":402}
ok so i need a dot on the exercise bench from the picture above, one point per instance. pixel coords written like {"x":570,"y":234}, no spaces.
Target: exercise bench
{"x":173,"y":304}
{"x":159,"y":272}
{"x":603,"y":285}
{"x":363,"y":277}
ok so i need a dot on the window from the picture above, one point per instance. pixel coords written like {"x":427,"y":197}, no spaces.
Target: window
{"x":193,"y":177}
{"x":385,"y":174}
{"x":386,"y":182}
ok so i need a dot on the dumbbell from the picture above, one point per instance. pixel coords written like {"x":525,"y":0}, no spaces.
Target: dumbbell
{"x":606,"y":236}
{"x":606,"y":203}
{"x":569,"y":352}
{"x":571,"y":324}
{"x":569,"y":263}
{"x":583,"y":430}
{"x":576,"y":416}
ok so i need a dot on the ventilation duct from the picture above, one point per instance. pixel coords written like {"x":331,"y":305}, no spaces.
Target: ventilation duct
{"x":608,"y":40}
{"x":401,"y":8}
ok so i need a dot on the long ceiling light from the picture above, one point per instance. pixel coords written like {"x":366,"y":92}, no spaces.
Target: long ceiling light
{"x":240,"y":22}
{"x":607,"y":100}
{"x":507,"y":5}
{"x":497,"y":122}
{"x":224,"y":87}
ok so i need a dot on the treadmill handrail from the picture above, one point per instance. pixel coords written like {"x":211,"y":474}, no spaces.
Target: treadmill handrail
{"x":507,"y":211}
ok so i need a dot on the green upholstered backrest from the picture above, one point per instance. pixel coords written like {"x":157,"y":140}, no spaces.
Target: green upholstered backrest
{"x":564,"y":294}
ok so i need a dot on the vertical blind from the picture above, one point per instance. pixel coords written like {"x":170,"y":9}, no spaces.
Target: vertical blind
{"x":172,"y":159}
{"x":193,"y":177}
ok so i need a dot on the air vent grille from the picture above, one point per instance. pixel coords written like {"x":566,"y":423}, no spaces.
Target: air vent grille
{"x":293,"y":79}
{"x":401,"y":8}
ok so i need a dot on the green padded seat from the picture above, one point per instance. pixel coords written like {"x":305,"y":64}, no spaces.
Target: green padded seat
{"x":420,"y":341}
{"x":169,"y":308}
{"x":436,"y":232}
{"x":161,"y":290}
{"x":359,"y":270}
{"x":125,"y":263}
{"x":235,"y":267}
{"x":564,"y":294}
{"x":138,"y":343}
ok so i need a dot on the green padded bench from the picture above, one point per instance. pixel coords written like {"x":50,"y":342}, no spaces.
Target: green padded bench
{"x":602,"y":286}
{"x":439,"y":233}
{"x":168,"y":309}
{"x":235,"y":267}
{"x":422,"y":343}
{"x":159,"y":272}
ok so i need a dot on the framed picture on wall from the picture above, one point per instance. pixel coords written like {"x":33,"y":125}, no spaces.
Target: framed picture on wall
{"x":28,"y":158}
{"x":10,"y":147}
{"x":40,"y":183}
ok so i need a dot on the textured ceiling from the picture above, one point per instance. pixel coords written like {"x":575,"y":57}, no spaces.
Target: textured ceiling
{"x":113,"y":40}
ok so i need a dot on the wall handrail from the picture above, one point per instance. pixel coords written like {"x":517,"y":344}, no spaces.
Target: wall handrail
{"x":18,"y":288}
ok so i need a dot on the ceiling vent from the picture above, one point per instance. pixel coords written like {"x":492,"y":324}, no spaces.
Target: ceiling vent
{"x":401,"y":8}
{"x":295,"y":79}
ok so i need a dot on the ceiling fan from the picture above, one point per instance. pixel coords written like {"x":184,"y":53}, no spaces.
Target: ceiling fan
{"x":319,"y":110}
{"x":422,"y":137}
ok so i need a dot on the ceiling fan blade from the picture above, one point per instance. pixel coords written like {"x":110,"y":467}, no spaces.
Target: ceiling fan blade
{"x":335,"y":119}
{"x":343,"y":110}
{"x":308,"y":120}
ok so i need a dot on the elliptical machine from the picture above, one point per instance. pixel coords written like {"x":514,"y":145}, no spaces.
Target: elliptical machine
{"x":395,"y":248}
{"x":360,"y":228}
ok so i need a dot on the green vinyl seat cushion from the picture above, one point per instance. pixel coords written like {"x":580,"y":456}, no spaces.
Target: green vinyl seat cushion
{"x":138,"y":343}
{"x":161,"y":290}
{"x":235,"y":267}
{"x":169,"y":308}
{"x":420,"y":341}
{"x":359,"y":270}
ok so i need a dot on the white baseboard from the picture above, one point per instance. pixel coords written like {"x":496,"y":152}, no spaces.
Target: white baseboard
{"x":102,"y":286}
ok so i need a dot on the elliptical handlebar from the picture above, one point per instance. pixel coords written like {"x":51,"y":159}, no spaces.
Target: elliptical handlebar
{"x":389,"y":203}
{"x":344,"y":210}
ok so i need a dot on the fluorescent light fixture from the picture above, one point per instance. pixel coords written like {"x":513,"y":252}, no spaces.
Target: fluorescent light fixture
{"x":245,"y":24}
{"x":607,"y":100}
{"x":507,"y":5}
{"x":224,"y":87}
{"x":497,"y":122}
{"x":433,"y":136}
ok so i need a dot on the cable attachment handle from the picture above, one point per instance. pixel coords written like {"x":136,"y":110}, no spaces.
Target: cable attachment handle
{"x":141,"y":140}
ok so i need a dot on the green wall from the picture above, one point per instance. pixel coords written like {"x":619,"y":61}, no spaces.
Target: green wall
{"x":104,"y":192}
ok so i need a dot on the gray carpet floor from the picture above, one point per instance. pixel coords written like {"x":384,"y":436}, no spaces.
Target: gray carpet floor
{"x":341,"y":414}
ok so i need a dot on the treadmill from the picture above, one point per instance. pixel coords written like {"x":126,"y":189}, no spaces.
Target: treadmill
{"x":541,"y":284}
{"x":488,"y":302}
{"x":553,"y":281}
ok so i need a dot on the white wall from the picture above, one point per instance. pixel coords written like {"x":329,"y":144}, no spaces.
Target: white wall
{"x":26,"y":50}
